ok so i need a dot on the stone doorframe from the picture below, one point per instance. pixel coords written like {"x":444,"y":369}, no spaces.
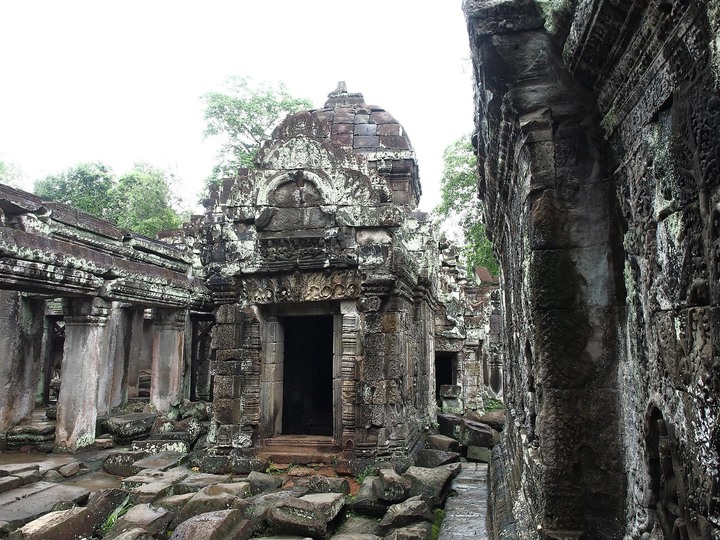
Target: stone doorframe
{"x":346,"y":326}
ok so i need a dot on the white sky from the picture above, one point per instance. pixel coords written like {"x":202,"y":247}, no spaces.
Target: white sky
{"x":120,"y":81}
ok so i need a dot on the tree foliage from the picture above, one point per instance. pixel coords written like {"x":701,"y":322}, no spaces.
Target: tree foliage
{"x":244,"y":116}
{"x":10,"y":174}
{"x":460,"y":209}
{"x":140,"y":200}
{"x":85,"y":186}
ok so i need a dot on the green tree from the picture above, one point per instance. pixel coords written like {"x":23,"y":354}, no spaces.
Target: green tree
{"x":85,"y":186}
{"x":460,"y":210}
{"x":244,"y":116}
{"x":141,"y":200}
{"x":10,"y":174}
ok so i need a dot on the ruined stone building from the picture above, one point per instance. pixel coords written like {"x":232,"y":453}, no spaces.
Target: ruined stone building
{"x":325,"y":276}
{"x":109,"y":303}
{"x":309,"y":305}
{"x":597,"y":137}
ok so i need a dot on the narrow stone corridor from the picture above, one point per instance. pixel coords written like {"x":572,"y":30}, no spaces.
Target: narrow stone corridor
{"x":465,"y":512}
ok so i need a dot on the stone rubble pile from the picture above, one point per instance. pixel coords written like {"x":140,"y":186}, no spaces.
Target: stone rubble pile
{"x":162,"y":496}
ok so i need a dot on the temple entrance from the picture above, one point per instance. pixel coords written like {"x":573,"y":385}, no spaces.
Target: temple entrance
{"x":444,"y":370}
{"x":308,"y":375}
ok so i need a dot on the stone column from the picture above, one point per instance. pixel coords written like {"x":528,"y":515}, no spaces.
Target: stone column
{"x":21,"y":327}
{"x":113,"y":377}
{"x":271,"y":379}
{"x":168,"y":361}
{"x":84,"y":357}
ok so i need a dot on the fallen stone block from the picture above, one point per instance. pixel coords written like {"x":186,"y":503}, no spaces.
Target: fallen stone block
{"x":70,"y":469}
{"x":174,"y":504}
{"x":413,"y":510}
{"x":257,"y":507}
{"x":151,"y":492}
{"x":390,"y":486}
{"x":297,"y":517}
{"x":430,"y":458}
{"x":260,"y":482}
{"x":103,"y":443}
{"x":137,"y":533}
{"x":123,"y":463}
{"x":416,"y":531}
{"x":52,"y":476}
{"x":143,"y":516}
{"x":62,"y":525}
{"x":477,"y":434}
{"x":358,"y":525}
{"x":197,"y":481}
{"x":317,"y":483}
{"x":126,"y":427}
{"x":103,"y":503}
{"x":220,"y":525}
{"x":147,"y":476}
{"x":479,"y":454}
{"x":433,"y":484}
{"x":245,"y":464}
{"x":495,"y":419}
{"x":330,"y":504}
{"x":366,"y":501}
{"x":444,"y":443}
{"x":214,"y":498}
{"x":162,"y":461}
{"x":450,"y":425}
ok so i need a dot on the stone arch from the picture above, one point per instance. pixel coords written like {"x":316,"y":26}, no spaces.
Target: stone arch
{"x":319,"y":182}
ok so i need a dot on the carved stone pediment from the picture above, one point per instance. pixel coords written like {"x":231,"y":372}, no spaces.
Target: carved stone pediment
{"x":301,"y":287}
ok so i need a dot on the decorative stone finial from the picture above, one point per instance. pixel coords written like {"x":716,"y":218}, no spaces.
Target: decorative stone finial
{"x":341,"y":89}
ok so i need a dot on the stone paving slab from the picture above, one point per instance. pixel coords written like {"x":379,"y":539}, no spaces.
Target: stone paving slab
{"x":25,"y":504}
{"x":466,"y":512}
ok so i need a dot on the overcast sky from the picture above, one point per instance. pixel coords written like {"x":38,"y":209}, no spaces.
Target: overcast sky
{"x":120,"y":81}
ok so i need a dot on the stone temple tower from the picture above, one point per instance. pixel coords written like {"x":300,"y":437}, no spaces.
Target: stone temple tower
{"x":323,"y":278}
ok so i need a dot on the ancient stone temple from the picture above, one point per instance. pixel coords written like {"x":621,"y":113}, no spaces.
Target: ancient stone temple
{"x":597,"y":139}
{"x":324,"y":278}
{"x":109,"y":303}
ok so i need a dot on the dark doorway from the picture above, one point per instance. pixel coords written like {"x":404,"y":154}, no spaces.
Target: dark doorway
{"x":307,"y":376}
{"x":201,"y":380}
{"x":444,"y":371}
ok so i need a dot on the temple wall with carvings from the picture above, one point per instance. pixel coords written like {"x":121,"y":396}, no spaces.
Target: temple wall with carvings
{"x":597,"y":138}
{"x":324,"y":231}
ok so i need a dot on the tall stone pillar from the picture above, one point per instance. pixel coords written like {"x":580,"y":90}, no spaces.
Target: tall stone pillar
{"x":84,"y":358}
{"x":112,"y":380}
{"x":168,"y":362}
{"x":21,"y":327}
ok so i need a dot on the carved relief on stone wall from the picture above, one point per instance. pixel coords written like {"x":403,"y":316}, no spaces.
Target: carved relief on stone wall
{"x":301,"y":287}
{"x":286,"y":253}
